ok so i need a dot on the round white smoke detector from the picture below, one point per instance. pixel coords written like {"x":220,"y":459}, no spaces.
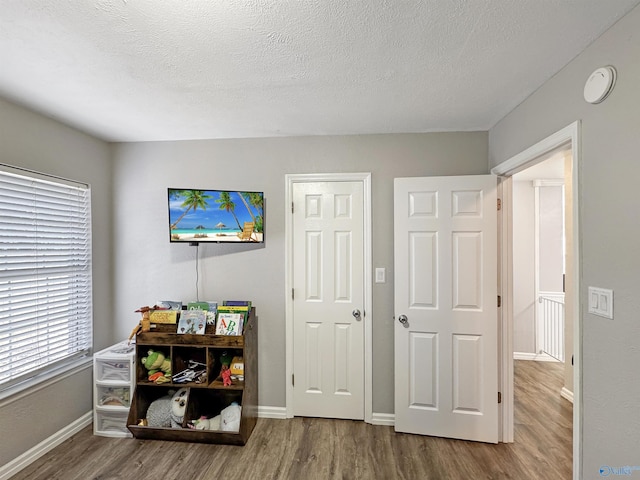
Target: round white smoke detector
{"x":599,"y":84}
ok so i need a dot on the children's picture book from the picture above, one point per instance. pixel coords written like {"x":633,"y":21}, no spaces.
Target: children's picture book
{"x":237,"y":303}
{"x":212,"y":311}
{"x":198,"y":306}
{"x":231,"y":320}
{"x":169,"y":305}
{"x":163,"y":316}
{"x":193,"y":322}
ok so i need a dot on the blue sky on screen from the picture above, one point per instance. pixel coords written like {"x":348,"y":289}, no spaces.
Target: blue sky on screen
{"x":212,"y":216}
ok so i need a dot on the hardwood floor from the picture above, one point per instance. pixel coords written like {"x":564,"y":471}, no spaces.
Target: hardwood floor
{"x":310,"y":448}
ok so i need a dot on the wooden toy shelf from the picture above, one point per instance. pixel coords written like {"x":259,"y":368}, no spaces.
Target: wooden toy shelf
{"x":205,"y":398}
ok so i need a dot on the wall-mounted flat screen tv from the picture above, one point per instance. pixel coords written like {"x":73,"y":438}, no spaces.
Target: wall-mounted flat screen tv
{"x":215,"y":216}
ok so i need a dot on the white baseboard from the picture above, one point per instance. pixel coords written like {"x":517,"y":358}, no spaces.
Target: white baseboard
{"x":387,"y":419}
{"x":280,"y":413}
{"x":566,"y":394}
{"x":537,"y":357}
{"x":272,"y":412}
{"x":31,"y":455}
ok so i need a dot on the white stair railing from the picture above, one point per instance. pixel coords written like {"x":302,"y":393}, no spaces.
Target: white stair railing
{"x":551,"y":328}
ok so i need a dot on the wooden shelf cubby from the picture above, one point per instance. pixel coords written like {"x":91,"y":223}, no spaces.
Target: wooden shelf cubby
{"x":207,"y":398}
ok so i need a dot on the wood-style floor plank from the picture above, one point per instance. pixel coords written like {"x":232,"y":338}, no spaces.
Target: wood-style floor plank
{"x":314,"y":448}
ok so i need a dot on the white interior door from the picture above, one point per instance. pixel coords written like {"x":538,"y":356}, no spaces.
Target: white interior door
{"x":328,"y":296}
{"x":445,"y":329}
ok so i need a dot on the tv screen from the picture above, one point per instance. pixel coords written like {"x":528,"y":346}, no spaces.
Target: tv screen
{"x":215,"y":216}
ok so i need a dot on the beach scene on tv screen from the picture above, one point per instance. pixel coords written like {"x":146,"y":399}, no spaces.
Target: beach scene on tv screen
{"x":216,"y":216}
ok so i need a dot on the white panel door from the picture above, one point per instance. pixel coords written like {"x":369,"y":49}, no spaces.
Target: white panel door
{"x":446,"y":318}
{"x":328,"y":279}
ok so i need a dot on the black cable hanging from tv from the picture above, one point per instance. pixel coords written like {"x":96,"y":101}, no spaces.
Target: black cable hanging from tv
{"x":197,"y":276}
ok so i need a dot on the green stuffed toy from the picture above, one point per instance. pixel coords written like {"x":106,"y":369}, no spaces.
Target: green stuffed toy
{"x":158,"y":365}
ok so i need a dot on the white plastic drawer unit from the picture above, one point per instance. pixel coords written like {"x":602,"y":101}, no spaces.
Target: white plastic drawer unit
{"x":113,"y":373}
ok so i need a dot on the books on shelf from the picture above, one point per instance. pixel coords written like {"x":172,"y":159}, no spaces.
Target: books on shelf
{"x":237,"y":303}
{"x":169,"y":305}
{"x":198,"y":306}
{"x":209,"y":308}
{"x":231,"y":319}
{"x":220,"y":318}
{"x":163,"y":316}
{"x":212,"y":311}
{"x":193,"y":322}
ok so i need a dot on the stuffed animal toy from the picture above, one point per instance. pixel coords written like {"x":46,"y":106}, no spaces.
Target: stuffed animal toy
{"x":230,"y":418}
{"x":204,"y":423}
{"x":225,"y":373}
{"x":168,"y":411}
{"x":158,"y":365}
{"x":178,"y":407}
{"x":145,"y":323}
{"x":159,"y":412}
{"x":237,"y":368}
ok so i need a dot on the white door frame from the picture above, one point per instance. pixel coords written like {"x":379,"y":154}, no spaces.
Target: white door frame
{"x":569,"y":135}
{"x":365,"y":178}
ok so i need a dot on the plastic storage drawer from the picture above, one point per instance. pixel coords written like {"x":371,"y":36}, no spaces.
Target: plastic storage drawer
{"x":112,"y":370}
{"x":111,"y":423}
{"x":113,"y":396}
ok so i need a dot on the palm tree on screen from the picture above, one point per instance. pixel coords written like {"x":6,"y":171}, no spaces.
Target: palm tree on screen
{"x":227,"y":204}
{"x":244,"y":196}
{"x":192,"y":200}
{"x":256,"y":200}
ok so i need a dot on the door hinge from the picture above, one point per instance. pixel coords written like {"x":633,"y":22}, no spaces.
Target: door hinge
{"x":291,"y":207}
{"x":293,"y":380}
{"x":292,"y":294}
{"x":499,"y":301}
{"x":499,"y":397}
{"x":499,"y":204}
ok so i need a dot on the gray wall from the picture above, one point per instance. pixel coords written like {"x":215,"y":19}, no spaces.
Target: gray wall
{"x":149,"y":269}
{"x":551,"y":260}
{"x":44,"y":145}
{"x":609,"y":228}
{"x":524,"y":307}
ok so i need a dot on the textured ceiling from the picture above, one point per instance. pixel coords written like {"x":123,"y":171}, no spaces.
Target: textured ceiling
{"x":137,"y":70}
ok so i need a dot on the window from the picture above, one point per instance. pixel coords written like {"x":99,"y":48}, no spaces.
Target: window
{"x":45,"y":274}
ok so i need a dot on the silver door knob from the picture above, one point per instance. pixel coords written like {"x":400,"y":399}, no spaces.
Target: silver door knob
{"x":356,"y":314}
{"x":403,"y":319}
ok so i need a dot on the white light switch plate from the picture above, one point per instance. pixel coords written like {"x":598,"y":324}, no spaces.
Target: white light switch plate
{"x":601,"y":302}
{"x":380,"y":275}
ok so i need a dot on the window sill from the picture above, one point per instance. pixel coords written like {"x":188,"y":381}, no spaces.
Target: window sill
{"x":43,"y":380}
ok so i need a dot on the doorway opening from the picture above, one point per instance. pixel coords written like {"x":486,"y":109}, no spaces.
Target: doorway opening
{"x":540,"y":261}
{"x":567,"y":141}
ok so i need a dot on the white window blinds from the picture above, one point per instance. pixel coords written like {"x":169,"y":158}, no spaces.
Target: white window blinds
{"x":45,"y":274}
